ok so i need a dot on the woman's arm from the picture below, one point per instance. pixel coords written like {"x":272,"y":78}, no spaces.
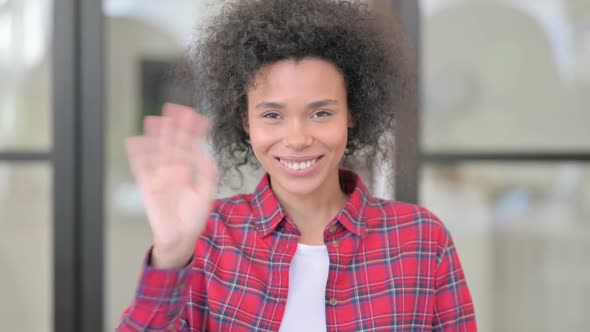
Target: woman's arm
{"x":162,"y":300}
{"x":177,"y":180}
{"x":453,"y":307}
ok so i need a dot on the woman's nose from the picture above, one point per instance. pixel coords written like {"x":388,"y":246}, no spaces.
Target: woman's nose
{"x":297,"y":136}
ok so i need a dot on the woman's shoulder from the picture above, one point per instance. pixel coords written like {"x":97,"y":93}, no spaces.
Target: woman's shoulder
{"x":230,"y":217}
{"x":233,"y":208}
{"x":397,"y":217}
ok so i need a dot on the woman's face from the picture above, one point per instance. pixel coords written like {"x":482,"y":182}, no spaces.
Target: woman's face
{"x":298,"y":123}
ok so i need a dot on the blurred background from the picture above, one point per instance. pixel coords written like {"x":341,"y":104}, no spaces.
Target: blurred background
{"x":499,"y":149}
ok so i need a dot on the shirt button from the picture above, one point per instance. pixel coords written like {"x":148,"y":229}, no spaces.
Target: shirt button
{"x":336,"y":244}
{"x":171,"y":326}
{"x":333,"y":301}
{"x":181,"y":287}
{"x":333,"y":229}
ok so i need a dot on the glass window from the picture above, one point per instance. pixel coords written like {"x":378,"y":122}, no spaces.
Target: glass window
{"x":26,"y":248}
{"x":505,"y":75}
{"x":25,"y":50}
{"x":522,"y":233}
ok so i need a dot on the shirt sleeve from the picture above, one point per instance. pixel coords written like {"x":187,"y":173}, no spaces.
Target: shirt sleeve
{"x":161,"y":300}
{"x":453,"y":310}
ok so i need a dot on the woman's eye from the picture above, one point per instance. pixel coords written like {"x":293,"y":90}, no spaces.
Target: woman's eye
{"x":321,"y":114}
{"x":271,"y":115}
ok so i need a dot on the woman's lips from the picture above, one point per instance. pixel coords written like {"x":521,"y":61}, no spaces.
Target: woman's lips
{"x":299,"y":158}
{"x":299,"y":166}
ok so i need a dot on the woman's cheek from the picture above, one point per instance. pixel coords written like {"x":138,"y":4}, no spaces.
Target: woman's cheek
{"x":264,"y":135}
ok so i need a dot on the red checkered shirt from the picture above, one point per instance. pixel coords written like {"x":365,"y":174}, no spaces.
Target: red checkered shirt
{"x":393,"y":267}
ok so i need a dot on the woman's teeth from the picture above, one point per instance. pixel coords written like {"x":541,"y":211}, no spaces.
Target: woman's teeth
{"x":297,"y":166}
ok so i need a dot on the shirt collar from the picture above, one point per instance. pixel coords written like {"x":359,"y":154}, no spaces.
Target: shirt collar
{"x":269,"y":213}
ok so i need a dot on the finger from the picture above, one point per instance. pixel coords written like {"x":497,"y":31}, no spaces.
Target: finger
{"x":185,"y":141}
{"x":166,"y":144}
{"x":185,"y":129}
{"x":190,"y":125}
{"x":160,"y":130}
{"x":208,"y":179}
{"x":206,"y":176}
{"x":152,"y":125}
{"x":182,"y":115}
{"x":187,"y":118}
{"x":139,"y":154}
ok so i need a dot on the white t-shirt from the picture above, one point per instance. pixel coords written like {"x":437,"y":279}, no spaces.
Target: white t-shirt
{"x":306,"y":304}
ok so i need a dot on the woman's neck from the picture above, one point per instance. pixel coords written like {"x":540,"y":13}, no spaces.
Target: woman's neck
{"x":311,"y":213}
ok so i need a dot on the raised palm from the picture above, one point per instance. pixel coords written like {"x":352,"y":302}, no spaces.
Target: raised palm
{"x":177,"y":180}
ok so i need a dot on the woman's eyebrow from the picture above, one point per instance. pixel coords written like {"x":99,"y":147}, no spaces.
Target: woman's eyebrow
{"x":321,"y":103}
{"x":312,"y":105}
{"x":269,"y":104}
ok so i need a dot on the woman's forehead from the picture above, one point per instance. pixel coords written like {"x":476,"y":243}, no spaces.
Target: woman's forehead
{"x":304,"y":77}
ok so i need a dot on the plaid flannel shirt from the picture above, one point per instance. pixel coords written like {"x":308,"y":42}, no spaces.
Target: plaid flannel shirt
{"x":393,"y":267}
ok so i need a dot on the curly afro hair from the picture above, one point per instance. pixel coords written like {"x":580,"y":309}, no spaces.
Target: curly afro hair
{"x":245,"y":35}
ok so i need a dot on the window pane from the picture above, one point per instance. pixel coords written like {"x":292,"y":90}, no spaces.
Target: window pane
{"x":522,"y":232}
{"x":506,"y":75}
{"x":25,"y":50}
{"x":26,"y":248}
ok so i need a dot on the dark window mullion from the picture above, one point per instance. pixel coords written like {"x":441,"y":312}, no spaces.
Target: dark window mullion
{"x":78,"y":165}
{"x":92,"y":164}
{"x":65,"y":166}
{"x":406,"y":153}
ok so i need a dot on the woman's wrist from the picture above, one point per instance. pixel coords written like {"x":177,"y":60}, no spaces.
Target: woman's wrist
{"x":168,"y":259}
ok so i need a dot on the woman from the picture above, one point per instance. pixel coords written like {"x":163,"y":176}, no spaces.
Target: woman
{"x":295,"y":86}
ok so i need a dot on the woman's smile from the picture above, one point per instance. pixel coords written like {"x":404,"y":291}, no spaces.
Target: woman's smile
{"x":300,"y":166}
